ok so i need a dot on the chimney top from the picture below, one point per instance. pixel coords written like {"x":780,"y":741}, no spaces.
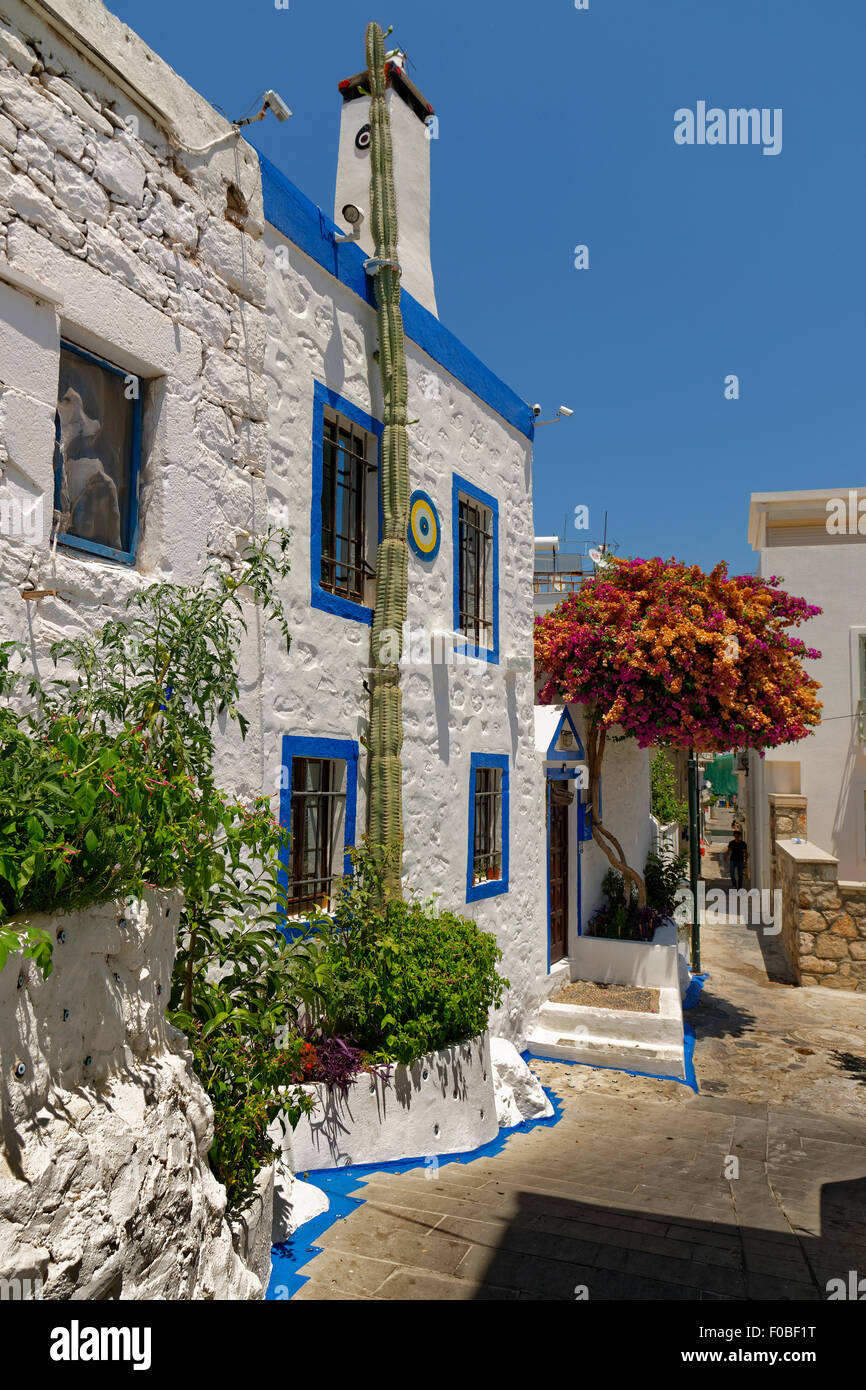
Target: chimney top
{"x":395,"y":76}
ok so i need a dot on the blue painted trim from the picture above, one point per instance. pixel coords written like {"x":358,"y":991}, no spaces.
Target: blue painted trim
{"x":579,"y":755}
{"x":693,"y":994}
{"x":459,"y":485}
{"x":495,"y":886}
{"x":342,"y":1184}
{"x":344,"y":749}
{"x":688,"y":1056}
{"x":547,"y":823}
{"x":419,"y":495}
{"x":302,"y":222}
{"x":130,"y":521}
{"x":579,"y":885}
{"x":321,"y":598}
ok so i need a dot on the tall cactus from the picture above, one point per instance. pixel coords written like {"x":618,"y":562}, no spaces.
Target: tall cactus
{"x":384,"y":780}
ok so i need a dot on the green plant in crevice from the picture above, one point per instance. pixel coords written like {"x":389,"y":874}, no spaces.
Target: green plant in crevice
{"x":385,"y":793}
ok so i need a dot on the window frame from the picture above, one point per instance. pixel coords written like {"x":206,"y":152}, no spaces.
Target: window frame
{"x":492,"y":887}
{"x":336,"y":750}
{"x":124,"y":557}
{"x":476,"y":494}
{"x":322,"y":598}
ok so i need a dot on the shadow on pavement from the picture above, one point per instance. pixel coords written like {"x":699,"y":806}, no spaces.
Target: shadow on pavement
{"x":557,"y":1248}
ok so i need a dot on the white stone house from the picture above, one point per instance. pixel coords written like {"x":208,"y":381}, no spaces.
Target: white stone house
{"x":187,"y":355}
{"x":816,"y":540}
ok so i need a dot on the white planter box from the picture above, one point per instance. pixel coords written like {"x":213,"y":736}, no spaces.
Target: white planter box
{"x":444,"y":1103}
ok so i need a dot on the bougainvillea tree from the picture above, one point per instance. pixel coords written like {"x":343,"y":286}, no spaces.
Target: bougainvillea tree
{"x":666,"y":654}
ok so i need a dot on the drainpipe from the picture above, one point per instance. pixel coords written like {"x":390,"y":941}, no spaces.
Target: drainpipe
{"x":694,"y":858}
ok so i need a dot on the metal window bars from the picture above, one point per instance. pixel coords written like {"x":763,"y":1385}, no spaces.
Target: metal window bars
{"x":344,"y":509}
{"x":475,"y":552}
{"x":487,"y":848}
{"x":316,"y":798}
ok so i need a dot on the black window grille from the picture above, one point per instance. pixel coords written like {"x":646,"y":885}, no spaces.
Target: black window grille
{"x":487,"y":850}
{"x":344,"y":509}
{"x":475,"y":560}
{"x":317,"y":800}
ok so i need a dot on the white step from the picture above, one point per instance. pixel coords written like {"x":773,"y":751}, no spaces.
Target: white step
{"x":618,"y":1038}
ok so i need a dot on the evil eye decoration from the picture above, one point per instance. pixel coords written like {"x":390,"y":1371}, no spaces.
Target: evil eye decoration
{"x":362,"y":139}
{"x":424,"y":529}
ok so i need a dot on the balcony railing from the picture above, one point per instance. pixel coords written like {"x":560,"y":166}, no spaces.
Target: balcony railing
{"x":556,"y":583}
{"x":560,"y":573}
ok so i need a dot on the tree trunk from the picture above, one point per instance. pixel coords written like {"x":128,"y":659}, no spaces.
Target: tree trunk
{"x":604,"y":838}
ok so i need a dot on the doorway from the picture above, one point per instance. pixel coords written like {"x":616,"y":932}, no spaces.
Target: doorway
{"x":559,"y":797}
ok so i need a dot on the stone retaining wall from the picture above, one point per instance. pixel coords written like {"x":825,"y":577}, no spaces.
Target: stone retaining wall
{"x":105,"y":1187}
{"x":823,"y":919}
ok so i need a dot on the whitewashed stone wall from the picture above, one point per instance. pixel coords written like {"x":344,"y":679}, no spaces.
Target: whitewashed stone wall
{"x":318,"y":330}
{"x":151,"y":258}
{"x":105,"y":1188}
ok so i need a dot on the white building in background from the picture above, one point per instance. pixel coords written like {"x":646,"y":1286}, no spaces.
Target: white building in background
{"x":816,"y":542}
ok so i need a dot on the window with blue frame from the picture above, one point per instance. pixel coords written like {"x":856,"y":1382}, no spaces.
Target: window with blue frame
{"x":97,"y":455}
{"x":487,"y":853}
{"x":318,"y":798}
{"x":475,"y":548}
{"x":344,"y":521}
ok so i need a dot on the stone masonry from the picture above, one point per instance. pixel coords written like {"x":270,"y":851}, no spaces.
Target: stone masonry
{"x":823,"y":919}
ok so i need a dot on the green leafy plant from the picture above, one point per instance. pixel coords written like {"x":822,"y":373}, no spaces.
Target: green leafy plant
{"x":400,"y":978}
{"x":663,"y":875}
{"x":667,"y":808}
{"x":107,"y":784}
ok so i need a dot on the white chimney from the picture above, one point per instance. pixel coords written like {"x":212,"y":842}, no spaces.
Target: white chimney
{"x":410,"y":138}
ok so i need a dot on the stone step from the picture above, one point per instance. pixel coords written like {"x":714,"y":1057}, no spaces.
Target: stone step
{"x":660,"y":1059}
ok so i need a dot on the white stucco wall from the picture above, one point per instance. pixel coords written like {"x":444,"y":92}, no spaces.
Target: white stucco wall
{"x":832,"y":764}
{"x":121,"y":245}
{"x":318,"y":330}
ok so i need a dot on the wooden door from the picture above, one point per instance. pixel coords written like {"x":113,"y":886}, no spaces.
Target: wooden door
{"x":558,"y":876}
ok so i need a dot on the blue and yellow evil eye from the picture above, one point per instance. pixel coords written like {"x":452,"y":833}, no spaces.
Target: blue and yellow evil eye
{"x":424,"y":528}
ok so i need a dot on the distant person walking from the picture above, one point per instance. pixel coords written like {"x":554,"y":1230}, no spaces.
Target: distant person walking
{"x":738,"y":858}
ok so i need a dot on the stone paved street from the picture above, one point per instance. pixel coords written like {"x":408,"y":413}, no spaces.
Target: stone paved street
{"x":628,"y":1194}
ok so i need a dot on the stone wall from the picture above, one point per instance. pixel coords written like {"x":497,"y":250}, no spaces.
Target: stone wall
{"x":114,"y":237}
{"x":788,"y":821}
{"x":105,"y":1188}
{"x":823,"y":919}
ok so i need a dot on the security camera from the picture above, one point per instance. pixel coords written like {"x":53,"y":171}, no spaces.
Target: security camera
{"x":564,"y":410}
{"x":536,"y":410}
{"x":276,"y":104}
{"x":351,"y":213}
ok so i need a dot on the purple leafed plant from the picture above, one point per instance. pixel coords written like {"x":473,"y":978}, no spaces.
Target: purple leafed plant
{"x":336,"y":1061}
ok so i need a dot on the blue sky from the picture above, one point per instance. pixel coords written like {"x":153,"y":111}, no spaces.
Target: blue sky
{"x":556,"y":129}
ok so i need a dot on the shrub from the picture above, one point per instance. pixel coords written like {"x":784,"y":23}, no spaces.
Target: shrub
{"x":621,"y":919}
{"x":244,"y":1078}
{"x":665,"y":805}
{"x":403,"y":979}
{"x":663,"y":875}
